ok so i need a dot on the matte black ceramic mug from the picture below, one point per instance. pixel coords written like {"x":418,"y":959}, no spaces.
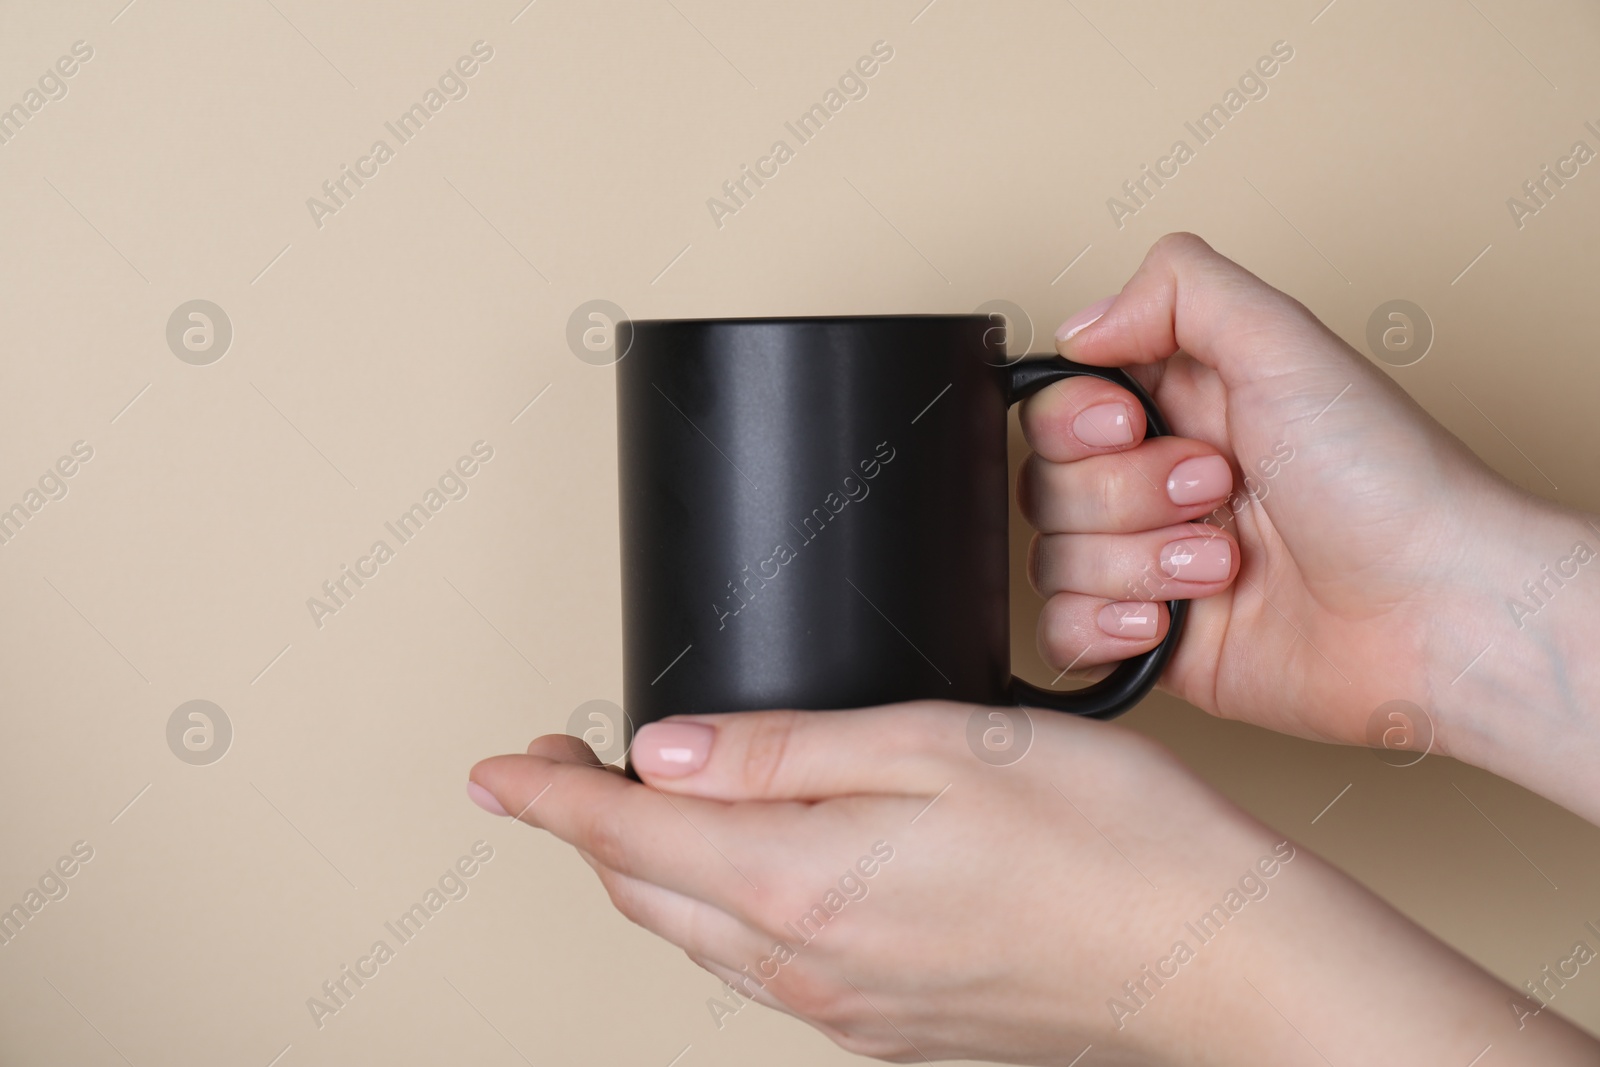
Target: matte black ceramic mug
{"x":814,"y":515}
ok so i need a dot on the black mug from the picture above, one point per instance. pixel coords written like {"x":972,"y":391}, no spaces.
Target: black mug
{"x":814,"y":515}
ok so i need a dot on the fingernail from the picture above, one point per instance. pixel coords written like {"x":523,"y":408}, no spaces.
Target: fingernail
{"x":1129,"y":618}
{"x":1087,"y":317}
{"x":1195,"y":481}
{"x":484,"y":799}
{"x":1198,"y":559}
{"x":671,"y":749}
{"x":1103,"y":424}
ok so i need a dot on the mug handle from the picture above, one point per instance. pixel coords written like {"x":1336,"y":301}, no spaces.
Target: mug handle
{"x":1132,"y":679}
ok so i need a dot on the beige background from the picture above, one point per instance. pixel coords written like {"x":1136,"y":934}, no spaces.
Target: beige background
{"x":370,"y":353}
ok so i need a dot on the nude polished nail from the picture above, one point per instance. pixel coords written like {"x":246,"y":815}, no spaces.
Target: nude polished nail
{"x":1199,"y":480}
{"x":1087,"y":317}
{"x":1198,"y":559}
{"x":1129,"y":618}
{"x":671,"y":749}
{"x":484,"y":799}
{"x":1103,"y":425}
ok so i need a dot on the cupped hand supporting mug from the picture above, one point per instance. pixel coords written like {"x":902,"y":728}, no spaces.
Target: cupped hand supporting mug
{"x":864,"y":872}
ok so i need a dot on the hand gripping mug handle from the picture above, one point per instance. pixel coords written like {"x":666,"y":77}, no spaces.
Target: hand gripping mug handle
{"x":1132,"y":679}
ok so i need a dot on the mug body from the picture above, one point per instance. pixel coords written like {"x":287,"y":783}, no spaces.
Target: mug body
{"x":813,"y":513}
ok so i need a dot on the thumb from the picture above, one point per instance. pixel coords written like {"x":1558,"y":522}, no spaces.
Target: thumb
{"x":908,"y":749}
{"x":1186,"y":295}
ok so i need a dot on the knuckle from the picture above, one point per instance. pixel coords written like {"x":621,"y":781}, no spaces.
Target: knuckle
{"x":814,"y":997}
{"x":1113,"y":500}
{"x":766,"y":748}
{"x":605,"y":838}
{"x":863,"y":1042}
{"x":772,"y":911}
{"x":1057,"y":638}
{"x":1301,"y":315}
{"x":1181,"y":242}
{"x":623,"y":897}
{"x":864,"y":1035}
{"x":928,"y":733}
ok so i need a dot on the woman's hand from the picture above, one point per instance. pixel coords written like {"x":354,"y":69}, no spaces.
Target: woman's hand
{"x":1364,"y":555}
{"x":868,"y":873}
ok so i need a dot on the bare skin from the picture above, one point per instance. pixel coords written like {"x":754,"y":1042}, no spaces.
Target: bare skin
{"x":1018,"y":916}
{"x":1374,"y":566}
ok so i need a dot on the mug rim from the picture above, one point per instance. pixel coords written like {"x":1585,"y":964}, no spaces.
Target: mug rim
{"x":796,"y":320}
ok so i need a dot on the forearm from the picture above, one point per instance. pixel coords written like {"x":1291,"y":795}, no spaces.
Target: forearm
{"x":1515,"y":686}
{"x":1325,"y":972}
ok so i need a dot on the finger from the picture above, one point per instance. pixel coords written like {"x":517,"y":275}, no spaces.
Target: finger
{"x":564,"y":748}
{"x":686,"y":845}
{"x":1186,"y":295}
{"x":698,"y":928}
{"x":568,"y":749}
{"x":1078,"y":417}
{"x":1077,"y":631}
{"x":743,"y":983}
{"x":905,"y":749}
{"x":1184,"y":562}
{"x":1164,"y":481}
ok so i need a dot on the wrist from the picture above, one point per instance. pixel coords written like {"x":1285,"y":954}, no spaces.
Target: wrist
{"x":1513,"y":687}
{"x":1324,"y":971}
